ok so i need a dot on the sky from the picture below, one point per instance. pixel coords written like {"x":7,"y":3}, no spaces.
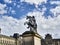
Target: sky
{"x":13,"y":15}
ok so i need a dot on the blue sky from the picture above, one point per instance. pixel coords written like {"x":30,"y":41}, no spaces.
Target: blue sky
{"x":14,"y":12}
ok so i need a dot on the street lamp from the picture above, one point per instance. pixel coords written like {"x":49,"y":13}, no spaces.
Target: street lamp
{"x":0,"y":30}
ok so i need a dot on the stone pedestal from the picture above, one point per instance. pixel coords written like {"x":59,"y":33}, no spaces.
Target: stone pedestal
{"x":31,"y":38}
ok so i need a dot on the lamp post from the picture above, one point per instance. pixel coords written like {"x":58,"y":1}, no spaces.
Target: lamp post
{"x":0,"y":30}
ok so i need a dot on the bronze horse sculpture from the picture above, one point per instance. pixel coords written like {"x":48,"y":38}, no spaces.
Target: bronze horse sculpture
{"x":31,"y":23}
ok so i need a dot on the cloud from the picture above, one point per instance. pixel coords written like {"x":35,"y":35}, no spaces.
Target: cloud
{"x":8,"y":1}
{"x":11,"y":25}
{"x":13,"y":12}
{"x":2,"y":8}
{"x":55,"y":2}
{"x":35,"y":1}
{"x":56,"y":11}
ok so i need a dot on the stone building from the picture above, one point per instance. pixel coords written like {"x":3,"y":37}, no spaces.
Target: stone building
{"x":9,"y":40}
{"x":50,"y":41}
{"x":6,"y":40}
{"x":28,"y":38}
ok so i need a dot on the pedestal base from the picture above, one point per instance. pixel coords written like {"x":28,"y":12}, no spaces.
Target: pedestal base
{"x":31,"y":38}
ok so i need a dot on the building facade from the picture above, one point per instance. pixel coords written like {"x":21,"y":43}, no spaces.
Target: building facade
{"x":9,"y":40}
{"x":17,"y":39}
{"x":50,"y":41}
{"x":5,"y":40}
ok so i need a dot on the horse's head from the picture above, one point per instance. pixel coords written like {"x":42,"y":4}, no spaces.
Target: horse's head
{"x":28,"y":17}
{"x":33,"y":17}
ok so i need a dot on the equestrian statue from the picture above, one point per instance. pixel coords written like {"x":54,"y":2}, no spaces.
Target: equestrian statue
{"x":32,"y":25}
